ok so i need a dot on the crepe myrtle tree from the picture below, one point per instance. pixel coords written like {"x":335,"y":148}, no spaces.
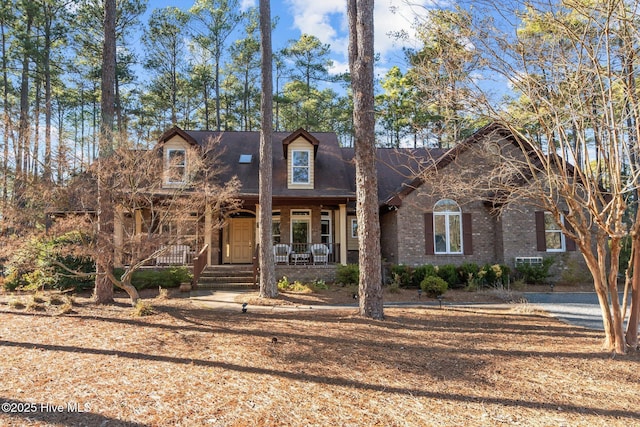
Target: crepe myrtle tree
{"x":143,"y":205}
{"x":575,"y":113}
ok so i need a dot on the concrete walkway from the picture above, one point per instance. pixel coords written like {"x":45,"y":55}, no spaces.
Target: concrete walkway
{"x":576,"y":308}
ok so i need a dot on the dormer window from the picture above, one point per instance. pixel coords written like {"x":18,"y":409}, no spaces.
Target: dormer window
{"x":300,"y":151}
{"x":176,"y":167}
{"x":300,"y":166}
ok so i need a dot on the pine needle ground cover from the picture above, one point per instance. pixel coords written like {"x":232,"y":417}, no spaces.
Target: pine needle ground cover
{"x":191,"y":366}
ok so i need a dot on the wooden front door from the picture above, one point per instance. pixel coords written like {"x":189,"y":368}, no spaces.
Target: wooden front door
{"x":242,"y":231}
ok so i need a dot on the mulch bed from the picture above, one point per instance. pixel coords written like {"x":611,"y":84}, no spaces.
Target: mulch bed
{"x":191,"y":366}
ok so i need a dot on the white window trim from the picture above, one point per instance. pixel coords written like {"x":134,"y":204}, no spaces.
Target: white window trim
{"x":563,"y":244}
{"x":447,"y":225}
{"x":308,"y":167}
{"x":326,"y":216}
{"x":168,"y":165}
{"x":354,"y":228}
{"x":305,"y":216}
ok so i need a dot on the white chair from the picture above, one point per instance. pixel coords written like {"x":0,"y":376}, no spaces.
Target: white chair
{"x":320,"y":253}
{"x":174,"y":254}
{"x":281,"y":253}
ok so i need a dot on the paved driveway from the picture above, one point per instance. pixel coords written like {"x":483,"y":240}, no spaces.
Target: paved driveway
{"x":577,"y":308}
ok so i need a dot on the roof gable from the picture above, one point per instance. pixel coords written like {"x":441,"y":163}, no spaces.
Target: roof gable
{"x":300,"y":133}
{"x":445,"y":159}
{"x":176,"y":131}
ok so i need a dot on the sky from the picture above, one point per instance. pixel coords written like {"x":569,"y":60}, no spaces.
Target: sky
{"x":327,"y":20}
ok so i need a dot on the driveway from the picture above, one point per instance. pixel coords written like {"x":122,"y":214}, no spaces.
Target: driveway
{"x":576,"y":308}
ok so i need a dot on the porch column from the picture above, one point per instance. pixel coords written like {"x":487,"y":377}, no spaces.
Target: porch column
{"x":118,"y":236}
{"x":208,"y":221}
{"x":342,"y":233}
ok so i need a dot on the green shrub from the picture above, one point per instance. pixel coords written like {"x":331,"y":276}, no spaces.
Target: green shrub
{"x":348,"y":274}
{"x":449,"y":273}
{"x":166,"y":278}
{"x":319,"y":285}
{"x":433,"y":286}
{"x":285,"y":285}
{"x":490,"y":275}
{"x":401,"y":275}
{"x":36,"y":264}
{"x":468,"y":272}
{"x":419,"y":273}
{"x":535,"y":273}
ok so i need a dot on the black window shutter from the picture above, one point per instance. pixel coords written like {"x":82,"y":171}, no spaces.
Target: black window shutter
{"x":428,"y":234}
{"x":541,"y":239}
{"x":570,"y":244}
{"x":467,"y":234}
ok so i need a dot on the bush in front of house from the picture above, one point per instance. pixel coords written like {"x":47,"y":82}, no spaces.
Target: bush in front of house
{"x":165,"y":278}
{"x":419,"y":273}
{"x":433,"y":286}
{"x":348,"y":274}
{"x":37,"y":264}
{"x":535,"y":273}
{"x":467,"y":272}
{"x":401,"y":275}
{"x":449,"y":273}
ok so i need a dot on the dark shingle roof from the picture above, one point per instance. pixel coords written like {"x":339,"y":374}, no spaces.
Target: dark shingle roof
{"x":331,"y":177}
{"x":397,"y":168}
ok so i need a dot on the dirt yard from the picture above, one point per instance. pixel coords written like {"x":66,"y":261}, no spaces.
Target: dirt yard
{"x":189,"y":366}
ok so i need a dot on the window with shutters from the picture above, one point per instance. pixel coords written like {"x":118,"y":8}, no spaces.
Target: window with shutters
{"x":554,"y":239}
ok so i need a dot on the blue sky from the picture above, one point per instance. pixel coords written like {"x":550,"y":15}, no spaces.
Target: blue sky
{"x":327,"y":20}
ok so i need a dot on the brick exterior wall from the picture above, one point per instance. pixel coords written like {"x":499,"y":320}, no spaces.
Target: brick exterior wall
{"x":389,"y":236}
{"x":307,"y":273}
{"x":496,"y":238}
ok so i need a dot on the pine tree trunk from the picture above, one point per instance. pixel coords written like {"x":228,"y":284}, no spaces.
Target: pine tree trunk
{"x":361,"y":61}
{"x":268,"y":288}
{"x":103,"y":291}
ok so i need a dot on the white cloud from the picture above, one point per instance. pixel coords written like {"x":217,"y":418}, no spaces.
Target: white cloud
{"x":324,"y":19}
{"x":327,"y":20}
{"x":247,"y":4}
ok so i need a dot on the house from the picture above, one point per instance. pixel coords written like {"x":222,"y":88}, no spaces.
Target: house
{"x":431,"y":211}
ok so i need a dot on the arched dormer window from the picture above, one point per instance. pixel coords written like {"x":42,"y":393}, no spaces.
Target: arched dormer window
{"x":447,"y":227}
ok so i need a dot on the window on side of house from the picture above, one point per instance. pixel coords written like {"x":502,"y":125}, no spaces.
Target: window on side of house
{"x":176,"y":166}
{"x":553,"y":235}
{"x":300,"y":167}
{"x":354,"y":228}
{"x":447,"y":227}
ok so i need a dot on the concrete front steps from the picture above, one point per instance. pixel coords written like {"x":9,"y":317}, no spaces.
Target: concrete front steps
{"x":226,"y":277}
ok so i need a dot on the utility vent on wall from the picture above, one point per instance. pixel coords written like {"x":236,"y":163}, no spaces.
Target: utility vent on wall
{"x":528,"y":260}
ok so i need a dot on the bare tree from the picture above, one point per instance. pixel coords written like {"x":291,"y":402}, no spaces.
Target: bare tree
{"x":575,"y":70}
{"x":361,"y":59}
{"x":268,"y":288}
{"x":147,"y":212}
